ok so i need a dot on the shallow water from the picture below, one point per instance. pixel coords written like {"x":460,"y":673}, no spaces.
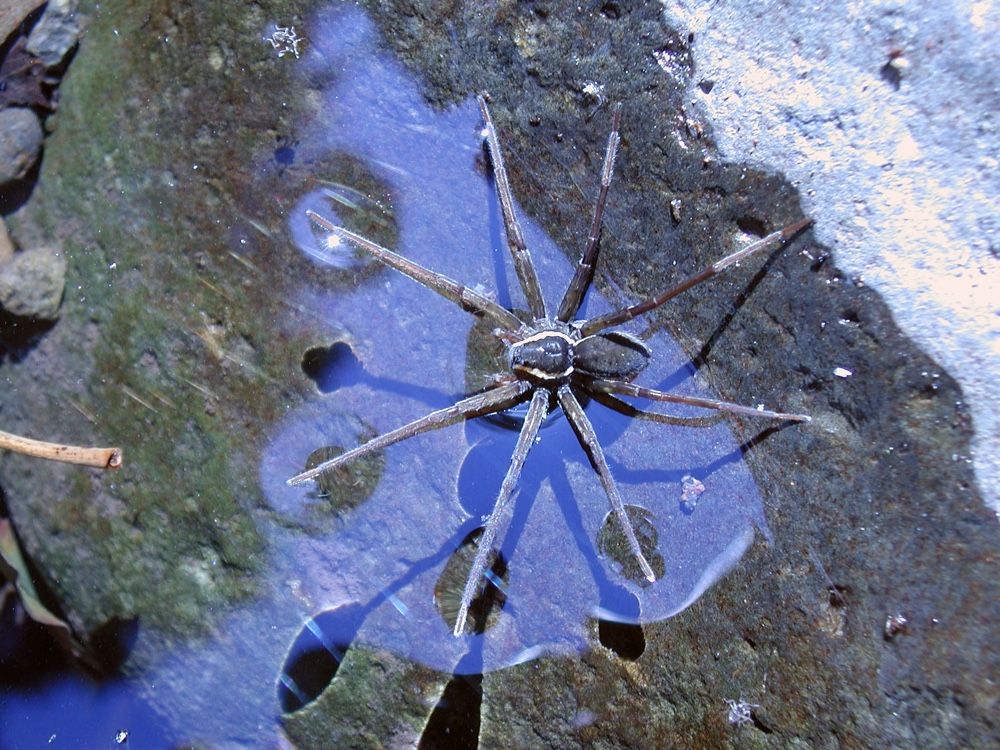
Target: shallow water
{"x":388,"y":552}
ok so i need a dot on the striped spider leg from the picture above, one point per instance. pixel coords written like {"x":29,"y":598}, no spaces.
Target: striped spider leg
{"x":550,"y":359}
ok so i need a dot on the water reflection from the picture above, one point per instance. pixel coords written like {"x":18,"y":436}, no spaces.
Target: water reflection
{"x":390,"y":558}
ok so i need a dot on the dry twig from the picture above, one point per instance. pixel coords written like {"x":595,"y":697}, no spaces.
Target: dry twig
{"x":102,"y":458}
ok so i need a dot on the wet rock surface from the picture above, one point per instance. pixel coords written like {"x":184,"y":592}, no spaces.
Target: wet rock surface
{"x":180,"y":262}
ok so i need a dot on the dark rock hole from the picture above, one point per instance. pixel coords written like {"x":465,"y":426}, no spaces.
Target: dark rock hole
{"x":112,"y":642}
{"x":611,"y":10}
{"x":850,"y":316}
{"x":332,"y":367}
{"x":760,"y":724}
{"x":838,"y":596}
{"x":706,"y":86}
{"x":624,"y":638}
{"x":18,"y":336}
{"x":891,"y":75}
{"x":752,"y":225}
{"x":455,"y":719}
{"x":315,"y":656}
{"x":819,"y":260}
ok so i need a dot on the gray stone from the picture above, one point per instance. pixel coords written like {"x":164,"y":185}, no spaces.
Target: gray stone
{"x":6,"y":244}
{"x":12,"y":13}
{"x":20,"y":143}
{"x":32,"y":283}
{"x":56,"y":33}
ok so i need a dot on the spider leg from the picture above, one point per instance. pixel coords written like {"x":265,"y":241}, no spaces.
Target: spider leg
{"x":515,"y":239}
{"x":627,"y":313}
{"x":489,"y":402}
{"x":529,"y":431}
{"x":588,"y":439}
{"x":585,"y":269}
{"x":446,"y":287}
{"x":624,"y":407}
{"x":630,"y":389}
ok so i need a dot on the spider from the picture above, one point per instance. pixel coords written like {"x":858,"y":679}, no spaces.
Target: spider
{"x":553,"y":359}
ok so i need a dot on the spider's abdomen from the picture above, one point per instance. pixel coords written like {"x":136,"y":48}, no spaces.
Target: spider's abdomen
{"x":544,"y":356}
{"x":612,"y":354}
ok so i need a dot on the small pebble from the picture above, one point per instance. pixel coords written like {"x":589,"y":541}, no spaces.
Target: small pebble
{"x":32,"y":284}
{"x":56,"y":33}
{"x":20,"y":143}
{"x":6,"y":244}
{"x":894,"y":625}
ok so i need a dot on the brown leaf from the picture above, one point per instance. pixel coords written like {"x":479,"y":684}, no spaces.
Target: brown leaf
{"x":15,"y":568}
{"x":22,"y":79}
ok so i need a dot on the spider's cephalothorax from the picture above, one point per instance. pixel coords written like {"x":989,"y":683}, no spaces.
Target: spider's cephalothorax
{"x":552,"y":356}
{"x":551,"y":361}
{"x":543,"y":357}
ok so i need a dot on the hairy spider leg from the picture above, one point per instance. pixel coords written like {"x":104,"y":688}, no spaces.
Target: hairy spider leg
{"x":592,"y":447}
{"x":491,"y":401}
{"x":448,"y":288}
{"x":529,"y":431}
{"x":625,"y":314}
{"x":512,"y":230}
{"x":630,"y":389}
{"x":584,"y":272}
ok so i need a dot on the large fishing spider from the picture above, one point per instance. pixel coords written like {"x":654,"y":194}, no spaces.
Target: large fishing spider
{"x":551,"y":359}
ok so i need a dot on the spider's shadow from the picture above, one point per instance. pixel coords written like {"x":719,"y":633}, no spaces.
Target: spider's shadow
{"x":550,"y":454}
{"x":337,"y":367}
{"x":498,"y":243}
{"x":700,"y":358}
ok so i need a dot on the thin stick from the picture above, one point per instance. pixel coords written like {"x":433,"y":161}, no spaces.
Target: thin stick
{"x":446,"y":287}
{"x":529,"y":431}
{"x":101,"y":458}
{"x":515,"y":239}
{"x":627,"y":313}
{"x":489,"y":402}
{"x":588,"y":439}
{"x":585,"y":268}
{"x":630,"y":389}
